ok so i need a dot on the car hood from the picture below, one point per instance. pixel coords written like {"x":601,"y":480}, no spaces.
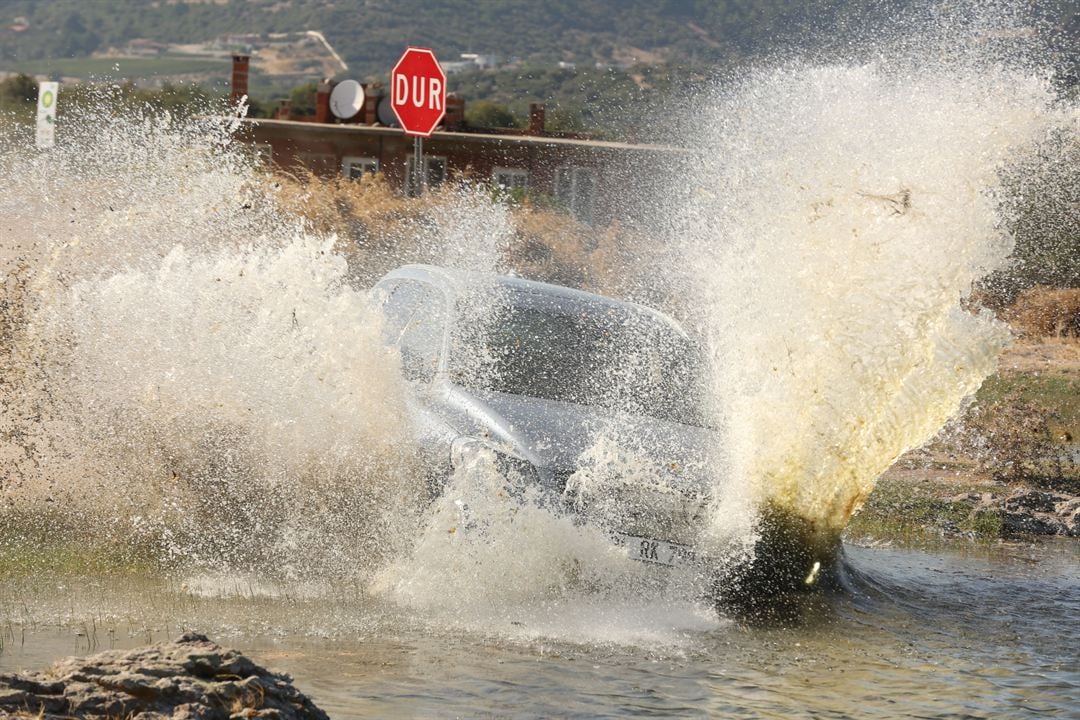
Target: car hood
{"x":561,"y":436}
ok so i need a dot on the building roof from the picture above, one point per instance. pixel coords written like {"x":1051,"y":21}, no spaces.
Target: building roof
{"x":489,"y":138}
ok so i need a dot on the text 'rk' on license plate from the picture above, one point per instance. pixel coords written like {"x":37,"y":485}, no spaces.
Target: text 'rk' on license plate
{"x":660,"y":552}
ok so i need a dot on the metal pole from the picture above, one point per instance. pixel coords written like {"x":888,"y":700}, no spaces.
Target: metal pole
{"x":418,"y":165}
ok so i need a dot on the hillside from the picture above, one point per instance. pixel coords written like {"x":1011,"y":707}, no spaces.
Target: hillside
{"x":371,"y":33}
{"x":598,"y":63}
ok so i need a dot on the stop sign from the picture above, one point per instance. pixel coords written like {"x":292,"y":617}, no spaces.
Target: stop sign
{"x":418,"y":91}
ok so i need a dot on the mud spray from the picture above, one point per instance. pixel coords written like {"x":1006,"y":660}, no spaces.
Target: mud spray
{"x":195,"y":379}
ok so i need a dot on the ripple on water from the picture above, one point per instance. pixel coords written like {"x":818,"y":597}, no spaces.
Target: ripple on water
{"x":979,"y":631}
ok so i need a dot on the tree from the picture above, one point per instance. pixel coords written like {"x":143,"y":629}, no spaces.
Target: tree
{"x":485,"y":113}
{"x":302,"y":98}
{"x":18,"y":89}
{"x":76,"y":38}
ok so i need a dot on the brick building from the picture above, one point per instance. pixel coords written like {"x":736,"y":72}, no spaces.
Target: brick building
{"x":596,"y":180}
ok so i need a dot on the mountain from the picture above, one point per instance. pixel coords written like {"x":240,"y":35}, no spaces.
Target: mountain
{"x":370,"y":34}
{"x":566,"y":52}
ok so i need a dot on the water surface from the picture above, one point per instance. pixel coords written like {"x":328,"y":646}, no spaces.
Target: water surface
{"x":962,"y":631}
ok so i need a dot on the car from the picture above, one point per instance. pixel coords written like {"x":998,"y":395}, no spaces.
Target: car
{"x":543,"y":379}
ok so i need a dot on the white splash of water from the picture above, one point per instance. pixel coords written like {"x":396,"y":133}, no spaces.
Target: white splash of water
{"x":218,"y":385}
{"x":837,"y":227}
{"x":496,"y":556}
{"x":212,"y":385}
{"x":252,"y":385}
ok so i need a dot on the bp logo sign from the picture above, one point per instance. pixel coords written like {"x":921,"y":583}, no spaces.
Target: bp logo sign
{"x":46,"y":114}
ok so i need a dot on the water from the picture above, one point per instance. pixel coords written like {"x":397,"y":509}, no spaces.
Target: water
{"x":833,"y":298}
{"x":971,"y":632}
{"x":194,"y":382}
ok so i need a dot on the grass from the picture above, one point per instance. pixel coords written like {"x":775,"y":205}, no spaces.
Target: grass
{"x":902,"y":510}
{"x":912,"y":505}
{"x":1055,"y":390}
{"x":42,"y":543}
{"x":378,"y":230}
{"x":62,"y":558}
{"x":85,"y":68}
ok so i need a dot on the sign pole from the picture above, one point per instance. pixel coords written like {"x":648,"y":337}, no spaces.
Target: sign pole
{"x":418,"y":164}
{"x":418,"y":99}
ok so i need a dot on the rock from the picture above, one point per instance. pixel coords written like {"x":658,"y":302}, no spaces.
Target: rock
{"x":1067,"y":508}
{"x":1035,"y":500}
{"x":1032,"y":523}
{"x":1072,"y":523}
{"x":966,"y":499}
{"x":191,"y":678}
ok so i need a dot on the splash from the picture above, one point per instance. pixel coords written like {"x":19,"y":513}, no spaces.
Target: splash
{"x":496,"y":557}
{"x":194,"y":376}
{"x":201,"y":374}
{"x":843,"y":215}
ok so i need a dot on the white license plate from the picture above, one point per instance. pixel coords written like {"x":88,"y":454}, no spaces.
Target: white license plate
{"x":659,"y":552}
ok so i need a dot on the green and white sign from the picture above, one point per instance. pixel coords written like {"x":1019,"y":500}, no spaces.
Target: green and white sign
{"x":46,"y":114}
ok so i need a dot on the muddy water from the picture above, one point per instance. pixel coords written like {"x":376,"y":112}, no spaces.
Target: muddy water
{"x":964,"y":631}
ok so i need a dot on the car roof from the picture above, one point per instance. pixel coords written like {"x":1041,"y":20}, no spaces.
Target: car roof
{"x":457,"y":282}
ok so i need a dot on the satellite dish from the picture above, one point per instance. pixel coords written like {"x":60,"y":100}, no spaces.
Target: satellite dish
{"x":385,"y":113}
{"x":347,"y":99}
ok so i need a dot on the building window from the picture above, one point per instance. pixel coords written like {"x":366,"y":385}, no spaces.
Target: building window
{"x":511,"y":179}
{"x":434,"y":173}
{"x":355,"y":168}
{"x":575,"y":188}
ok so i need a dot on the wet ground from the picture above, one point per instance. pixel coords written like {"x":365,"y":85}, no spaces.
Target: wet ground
{"x":963,"y":630}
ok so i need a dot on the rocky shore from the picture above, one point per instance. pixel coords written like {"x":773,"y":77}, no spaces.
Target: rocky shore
{"x":191,"y":679}
{"x":915,"y":503}
{"x":1007,"y":468}
{"x":1026,"y":511}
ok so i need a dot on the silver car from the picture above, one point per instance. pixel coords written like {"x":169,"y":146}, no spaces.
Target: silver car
{"x":538,"y":375}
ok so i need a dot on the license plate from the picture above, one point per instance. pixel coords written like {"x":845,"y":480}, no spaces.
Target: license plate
{"x":658,"y":552}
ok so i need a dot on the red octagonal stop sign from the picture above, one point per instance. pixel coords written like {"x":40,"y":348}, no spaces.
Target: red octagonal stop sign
{"x":418,"y":91}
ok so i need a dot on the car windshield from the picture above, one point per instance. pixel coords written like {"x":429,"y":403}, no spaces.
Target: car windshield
{"x":592,"y":354}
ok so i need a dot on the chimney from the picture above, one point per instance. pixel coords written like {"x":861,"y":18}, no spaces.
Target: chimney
{"x":455,"y":112}
{"x":536,"y":118}
{"x":372,"y":95}
{"x":239,"y":77}
{"x":322,"y":102}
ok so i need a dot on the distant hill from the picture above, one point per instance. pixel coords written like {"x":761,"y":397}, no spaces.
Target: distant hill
{"x":543,"y":49}
{"x":371,"y":33}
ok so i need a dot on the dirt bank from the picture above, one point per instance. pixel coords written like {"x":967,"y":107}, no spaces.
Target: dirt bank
{"x":911,"y":504}
{"x":1006,"y":468}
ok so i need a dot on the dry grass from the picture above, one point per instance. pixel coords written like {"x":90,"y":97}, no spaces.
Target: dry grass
{"x":378,"y":229}
{"x":1045,"y":312}
{"x":1044,"y":354}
